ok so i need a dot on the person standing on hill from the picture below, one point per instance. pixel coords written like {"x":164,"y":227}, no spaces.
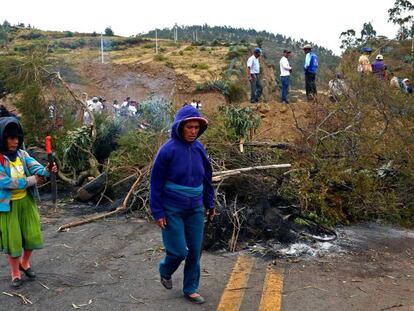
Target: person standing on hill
{"x":379,"y":68}
{"x":253,"y":74}
{"x":364,"y":65}
{"x":310,"y":67}
{"x":285,"y":71}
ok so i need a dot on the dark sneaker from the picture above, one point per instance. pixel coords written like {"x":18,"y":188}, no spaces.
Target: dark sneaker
{"x":28,"y":272}
{"x":167,"y":283}
{"x":16,"y":283}
{"x":197,"y":299}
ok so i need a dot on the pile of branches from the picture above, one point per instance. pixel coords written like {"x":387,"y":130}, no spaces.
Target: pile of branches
{"x":354,"y":158}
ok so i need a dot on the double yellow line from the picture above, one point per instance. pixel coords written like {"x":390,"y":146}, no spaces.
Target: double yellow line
{"x":233,"y":293}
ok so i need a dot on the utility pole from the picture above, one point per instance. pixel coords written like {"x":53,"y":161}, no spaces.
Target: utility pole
{"x":196,"y":36}
{"x":102,"y":54}
{"x":156,"y":41}
{"x":175,"y":33}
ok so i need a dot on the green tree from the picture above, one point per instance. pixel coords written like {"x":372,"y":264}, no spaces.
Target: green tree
{"x":109,"y":31}
{"x":401,"y":14}
{"x":348,"y":39}
{"x":259,"y":42}
{"x":367,"y":32}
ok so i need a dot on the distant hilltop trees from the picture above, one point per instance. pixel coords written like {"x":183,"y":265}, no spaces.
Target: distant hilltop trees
{"x":272,"y":44}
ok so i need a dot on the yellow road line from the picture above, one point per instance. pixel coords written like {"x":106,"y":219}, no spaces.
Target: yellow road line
{"x":234,"y":291}
{"x":272,"y":291}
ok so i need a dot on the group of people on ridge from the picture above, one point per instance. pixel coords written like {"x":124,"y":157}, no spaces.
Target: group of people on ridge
{"x":380,"y":70}
{"x":310,"y":69}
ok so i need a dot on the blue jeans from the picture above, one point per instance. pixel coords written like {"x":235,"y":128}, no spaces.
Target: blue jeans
{"x":285,"y":88}
{"x":182,"y":238}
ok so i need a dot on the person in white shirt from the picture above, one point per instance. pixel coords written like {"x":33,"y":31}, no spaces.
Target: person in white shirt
{"x":285,"y":71}
{"x":132,"y":110}
{"x":253,"y":74}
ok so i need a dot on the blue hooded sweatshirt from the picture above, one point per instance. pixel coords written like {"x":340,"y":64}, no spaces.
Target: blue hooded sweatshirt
{"x":181,"y":176}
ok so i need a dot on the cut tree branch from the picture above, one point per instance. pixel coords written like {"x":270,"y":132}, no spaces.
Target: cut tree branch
{"x":122,"y":208}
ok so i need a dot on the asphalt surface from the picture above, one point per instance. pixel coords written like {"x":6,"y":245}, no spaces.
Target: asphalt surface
{"x":113,"y":265}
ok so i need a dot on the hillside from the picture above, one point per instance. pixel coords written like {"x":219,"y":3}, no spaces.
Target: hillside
{"x":272,"y":44}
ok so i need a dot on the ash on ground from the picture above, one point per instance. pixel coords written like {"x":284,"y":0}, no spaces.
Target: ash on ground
{"x":352,"y":239}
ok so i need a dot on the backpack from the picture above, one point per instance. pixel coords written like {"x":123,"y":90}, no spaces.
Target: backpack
{"x":313,"y":65}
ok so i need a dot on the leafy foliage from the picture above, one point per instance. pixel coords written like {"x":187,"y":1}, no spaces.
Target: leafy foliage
{"x":241,"y":120}
{"x":401,"y":14}
{"x":157,"y":112}
{"x":108,"y":130}
{"x":77,"y":148}
{"x":215,"y":85}
{"x":109,"y":32}
{"x":135,"y":149}
{"x":354,"y":159}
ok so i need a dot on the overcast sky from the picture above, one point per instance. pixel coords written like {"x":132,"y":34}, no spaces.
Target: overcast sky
{"x":319,"y":21}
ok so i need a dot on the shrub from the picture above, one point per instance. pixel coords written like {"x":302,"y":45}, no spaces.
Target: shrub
{"x":241,"y":120}
{"x":201,"y":66}
{"x":215,"y":85}
{"x":355,"y":159}
{"x":157,"y":111}
{"x":149,"y":46}
{"x":189,"y":48}
{"x":159,"y":58}
{"x":236,"y":92}
{"x":181,"y":53}
{"x":169,"y":64}
{"x":109,"y":32}
{"x":33,"y":35}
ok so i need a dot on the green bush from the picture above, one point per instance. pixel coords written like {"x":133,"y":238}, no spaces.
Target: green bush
{"x":215,"y":85}
{"x":149,"y":46}
{"x":169,"y":64}
{"x":201,"y":66}
{"x":354,"y":160}
{"x":236,"y":92}
{"x":189,"y":48}
{"x":159,"y":58}
{"x":135,"y":149}
{"x":33,"y":35}
{"x":241,"y":120}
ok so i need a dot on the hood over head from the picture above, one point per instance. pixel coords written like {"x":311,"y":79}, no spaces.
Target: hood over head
{"x":10,"y":127}
{"x":187,"y":113}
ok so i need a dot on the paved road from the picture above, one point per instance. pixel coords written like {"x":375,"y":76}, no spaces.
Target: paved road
{"x":112,"y":265}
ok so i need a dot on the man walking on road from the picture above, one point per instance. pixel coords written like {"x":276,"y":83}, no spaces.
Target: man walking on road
{"x":253,"y":74}
{"x":310,"y":67}
{"x":285,"y":71}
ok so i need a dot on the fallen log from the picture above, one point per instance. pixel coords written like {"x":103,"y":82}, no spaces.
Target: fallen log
{"x":220,"y":175}
{"x":119,"y":209}
{"x":92,"y":188}
{"x":252,"y":168}
{"x":278,"y":145}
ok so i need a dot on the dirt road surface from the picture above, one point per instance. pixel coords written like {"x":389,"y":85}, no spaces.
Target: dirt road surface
{"x":112,"y":265}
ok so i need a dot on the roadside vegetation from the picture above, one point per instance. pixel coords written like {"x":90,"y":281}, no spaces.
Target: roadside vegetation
{"x":352,"y":160}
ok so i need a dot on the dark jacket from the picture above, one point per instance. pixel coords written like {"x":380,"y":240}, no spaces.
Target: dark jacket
{"x":182,"y":163}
